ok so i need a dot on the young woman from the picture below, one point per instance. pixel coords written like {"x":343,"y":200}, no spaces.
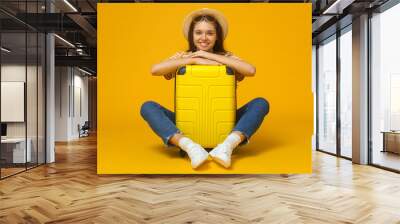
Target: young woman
{"x":205,"y":30}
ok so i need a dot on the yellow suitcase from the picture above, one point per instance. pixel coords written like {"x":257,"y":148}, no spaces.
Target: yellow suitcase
{"x":205,"y":103}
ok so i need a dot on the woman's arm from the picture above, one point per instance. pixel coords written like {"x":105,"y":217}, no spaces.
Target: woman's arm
{"x":240,"y":66}
{"x":170,"y":66}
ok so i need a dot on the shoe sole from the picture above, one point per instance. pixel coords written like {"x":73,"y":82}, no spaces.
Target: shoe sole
{"x":220,"y":161}
{"x":200,"y":163}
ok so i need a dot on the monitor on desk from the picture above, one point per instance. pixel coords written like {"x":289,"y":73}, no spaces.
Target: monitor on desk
{"x":3,"y":130}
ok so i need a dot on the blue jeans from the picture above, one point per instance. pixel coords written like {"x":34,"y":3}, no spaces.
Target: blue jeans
{"x":248,"y":118}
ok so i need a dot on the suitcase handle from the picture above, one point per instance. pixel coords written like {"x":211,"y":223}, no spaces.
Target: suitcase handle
{"x":182,"y":70}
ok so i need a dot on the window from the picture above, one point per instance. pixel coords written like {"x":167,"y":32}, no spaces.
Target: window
{"x":346,"y":92}
{"x":327,"y":95}
{"x":385,"y":88}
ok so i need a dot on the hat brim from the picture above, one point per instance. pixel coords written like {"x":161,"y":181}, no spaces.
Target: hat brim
{"x":205,"y":11}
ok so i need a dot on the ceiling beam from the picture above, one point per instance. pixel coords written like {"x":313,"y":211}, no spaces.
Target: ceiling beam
{"x":82,"y":61}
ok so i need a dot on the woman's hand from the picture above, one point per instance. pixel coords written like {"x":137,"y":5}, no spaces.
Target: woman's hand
{"x":203,"y":61}
{"x":202,"y":58}
{"x":240,"y":66}
{"x":195,"y":61}
{"x":201,"y":54}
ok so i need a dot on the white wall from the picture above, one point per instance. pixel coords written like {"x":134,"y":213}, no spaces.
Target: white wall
{"x":71,"y":87}
{"x":62,"y":78}
{"x":80,"y":84}
{"x":12,"y":101}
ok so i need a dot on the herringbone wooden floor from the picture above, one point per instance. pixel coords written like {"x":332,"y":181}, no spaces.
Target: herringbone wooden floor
{"x":70,"y":191}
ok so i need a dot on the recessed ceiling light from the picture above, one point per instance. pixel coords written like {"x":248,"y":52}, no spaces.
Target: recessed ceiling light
{"x":5,"y":50}
{"x":337,"y":7}
{"x":84,"y":71}
{"x":70,"y":5}
{"x":64,"y":40}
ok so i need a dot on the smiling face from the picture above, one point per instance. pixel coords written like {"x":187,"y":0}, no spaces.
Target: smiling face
{"x":204,"y":35}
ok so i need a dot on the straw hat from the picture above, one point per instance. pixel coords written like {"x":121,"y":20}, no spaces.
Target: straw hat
{"x":205,"y":11}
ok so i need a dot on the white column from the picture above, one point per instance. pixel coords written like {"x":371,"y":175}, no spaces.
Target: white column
{"x":50,"y":100}
{"x":50,"y":92}
{"x":360,"y":90}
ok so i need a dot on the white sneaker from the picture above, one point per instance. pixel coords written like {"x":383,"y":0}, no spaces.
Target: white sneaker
{"x":222,"y":155}
{"x":198,"y":155}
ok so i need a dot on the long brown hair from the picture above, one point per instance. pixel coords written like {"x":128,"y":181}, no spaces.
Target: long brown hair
{"x":219,"y":43}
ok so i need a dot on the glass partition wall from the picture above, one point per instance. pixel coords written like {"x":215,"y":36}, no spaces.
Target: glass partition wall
{"x":334,"y":93}
{"x":22,"y":79}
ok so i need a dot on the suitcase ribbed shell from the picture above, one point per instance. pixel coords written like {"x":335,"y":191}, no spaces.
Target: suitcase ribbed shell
{"x":205,"y":103}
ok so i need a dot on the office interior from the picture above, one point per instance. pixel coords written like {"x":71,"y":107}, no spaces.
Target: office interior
{"x":48,"y":75}
{"x":49,"y":91}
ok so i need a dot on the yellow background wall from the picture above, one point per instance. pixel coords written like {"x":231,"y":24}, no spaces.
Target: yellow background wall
{"x":276,"y":38}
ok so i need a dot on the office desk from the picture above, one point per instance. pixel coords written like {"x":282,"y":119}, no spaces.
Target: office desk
{"x":391,"y":141}
{"x":13,"y":150}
